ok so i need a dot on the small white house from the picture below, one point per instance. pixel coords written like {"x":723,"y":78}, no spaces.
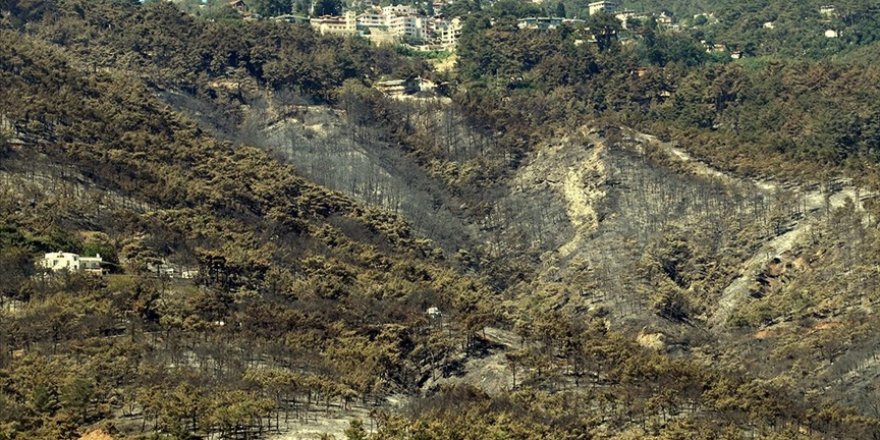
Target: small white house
{"x":170,"y":270}
{"x":61,"y":261}
{"x":91,"y":264}
{"x":58,"y":261}
{"x":831,"y":33}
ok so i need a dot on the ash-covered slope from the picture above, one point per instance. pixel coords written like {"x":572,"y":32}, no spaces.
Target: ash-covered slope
{"x":362,"y":160}
{"x":592,"y":222}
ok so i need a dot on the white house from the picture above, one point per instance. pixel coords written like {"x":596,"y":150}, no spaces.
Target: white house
{"x":171,"y":270}
{"x":665,"y":19}
{"x":61,"y":261}
{"x":58,"y":261}
{"x":396,"y":21}
{"x":345,"y":25}
{"x":91,"y":264}
{"x":831,"y":33}
{"x":602,"y":6}
{"x":447,"y":32}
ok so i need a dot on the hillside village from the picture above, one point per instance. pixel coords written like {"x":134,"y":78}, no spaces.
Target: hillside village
{"x":432,"y":29}
{"x":392,"y":25}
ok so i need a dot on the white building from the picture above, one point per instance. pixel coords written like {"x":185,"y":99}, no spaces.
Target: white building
{"x":333,"y":25}
{"x":665,"y":20}
{"x":171,"y":270}
{"x":391,"y":25}
{"x":603,"y":6}
{"x":446,"y":32}
{"x":831,"y":33}
{"x":66,"y":261}
{"x":540,"y":23}
{"x":395,"y":22}
{"x":401,"y":10}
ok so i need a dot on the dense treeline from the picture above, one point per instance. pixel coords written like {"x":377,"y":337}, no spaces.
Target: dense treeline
{"x":165,"y":45}
{"x":798,"y":29}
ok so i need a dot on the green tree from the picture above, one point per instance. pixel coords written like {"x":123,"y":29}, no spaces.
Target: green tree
{"x":76,"y":396}
{"x":515,"y":9}
{"x":560,"y":9}
{"x":475,"y":53}
{"x":270,"y":8}
{"x":670,"y":303}
{"x":17,"y":267}
{"x":356,"y":431}
{"x":462,"y":8}
{"x":605,"y":29}
{"x":328,"y":7}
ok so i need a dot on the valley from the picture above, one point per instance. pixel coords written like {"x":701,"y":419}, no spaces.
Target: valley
{"x":216,"y":224}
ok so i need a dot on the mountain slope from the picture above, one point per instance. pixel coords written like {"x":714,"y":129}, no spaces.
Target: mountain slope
{"x":573,"y":270}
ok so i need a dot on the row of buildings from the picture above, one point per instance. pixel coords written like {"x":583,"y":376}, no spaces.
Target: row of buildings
{"x":625,"y":16}
{"x":71,"y":262}
{"x":392,"y":25}
{"x":546,"y":23}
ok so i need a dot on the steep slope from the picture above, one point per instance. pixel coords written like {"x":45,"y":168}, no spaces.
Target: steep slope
{"x":805,"y":205}
{"x":293,"y":278}
{"x":327,"y":145}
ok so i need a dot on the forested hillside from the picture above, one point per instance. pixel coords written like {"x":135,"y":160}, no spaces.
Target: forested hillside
{"x":798,"y":29}
{"x":574,"y":236}
{"x":296,"y":284}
